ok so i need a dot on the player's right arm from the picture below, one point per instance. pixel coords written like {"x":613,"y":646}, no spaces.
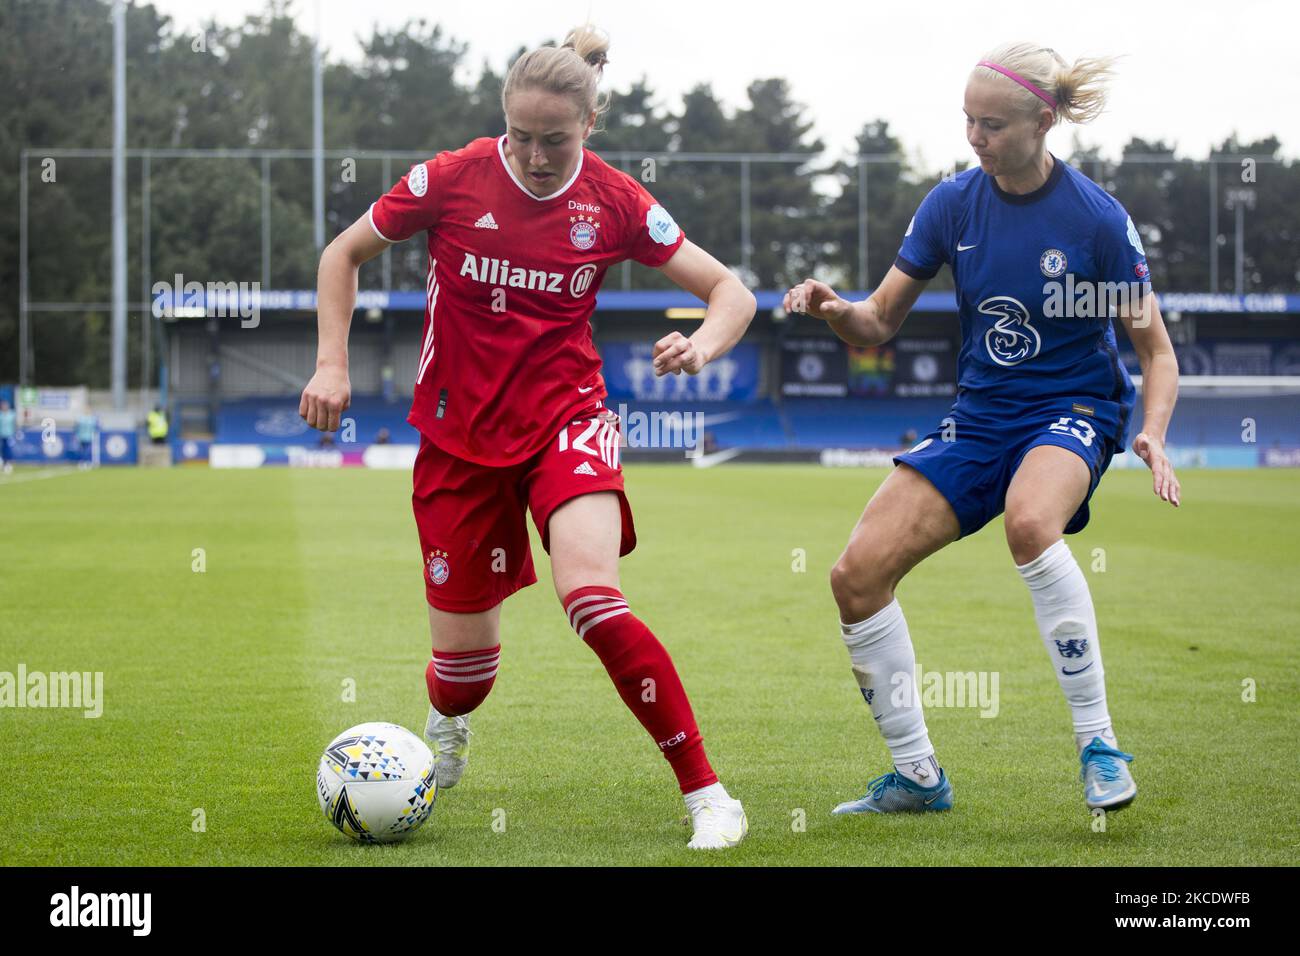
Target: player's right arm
{"x":872,"y":322}
{"x":329,"y":392}
{"x":411,"y":206}
{"x":878,"y":319}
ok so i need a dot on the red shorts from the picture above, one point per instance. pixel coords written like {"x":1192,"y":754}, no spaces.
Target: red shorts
{"x":471,"y":518}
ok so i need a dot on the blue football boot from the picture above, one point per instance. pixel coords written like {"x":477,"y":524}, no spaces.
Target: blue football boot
{"x":1107,"y":783}
{"x":894,"y":793}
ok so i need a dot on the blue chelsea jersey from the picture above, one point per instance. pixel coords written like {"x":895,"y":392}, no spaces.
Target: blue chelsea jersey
{"x":1035,"y":276}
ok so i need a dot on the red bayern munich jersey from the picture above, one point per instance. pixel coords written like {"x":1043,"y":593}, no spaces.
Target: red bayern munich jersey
{"x":507,"y":350}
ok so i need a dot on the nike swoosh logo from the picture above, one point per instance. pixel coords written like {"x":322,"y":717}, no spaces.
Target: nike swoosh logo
{"x":1070,"y":673}
{"x":961,"y":248}
{"x":1097,"y":791}
{"x":700,"y":460}
{"x":932,"y":799}
{"x":584,"y":391}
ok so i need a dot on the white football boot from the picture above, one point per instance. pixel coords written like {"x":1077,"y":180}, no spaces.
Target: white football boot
{"x":448,"y":738}
{"x":719,"y":821}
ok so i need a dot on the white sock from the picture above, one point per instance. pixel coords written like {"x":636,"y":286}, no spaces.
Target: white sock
{"x":923,"y":773}
{"x":1108,"y":735}
{"x":714,"y":791}
{"x":1068,"y":625}
{"x":884,"y":664}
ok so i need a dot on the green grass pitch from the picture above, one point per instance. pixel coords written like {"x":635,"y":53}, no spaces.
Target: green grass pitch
{"x":221,"y":688}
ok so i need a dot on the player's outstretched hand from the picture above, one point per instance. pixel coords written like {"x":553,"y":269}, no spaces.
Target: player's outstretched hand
{"x":817,"y":299}
{"x":1163,"y":480}
{"x":676,"y":353}
{"x":326,"y":397}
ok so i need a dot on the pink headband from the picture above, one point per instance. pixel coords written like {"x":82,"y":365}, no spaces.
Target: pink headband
{"x":1049,"y":100}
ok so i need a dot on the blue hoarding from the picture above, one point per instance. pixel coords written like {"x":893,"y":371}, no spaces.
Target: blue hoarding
{"x":629,"y":374}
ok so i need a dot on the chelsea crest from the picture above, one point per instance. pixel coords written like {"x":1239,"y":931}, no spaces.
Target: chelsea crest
{"x":1052,"y":263}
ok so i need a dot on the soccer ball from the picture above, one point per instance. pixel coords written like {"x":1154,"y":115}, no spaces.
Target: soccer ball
{"x":376,"y":782}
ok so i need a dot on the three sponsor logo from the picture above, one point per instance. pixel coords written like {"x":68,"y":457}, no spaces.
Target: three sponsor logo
{"x":1013,"y":338}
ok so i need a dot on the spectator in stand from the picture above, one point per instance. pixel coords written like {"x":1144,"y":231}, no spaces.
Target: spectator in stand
{"x":8,"y":425}
{"x":87,"y":427}
{"x":157,"y":425}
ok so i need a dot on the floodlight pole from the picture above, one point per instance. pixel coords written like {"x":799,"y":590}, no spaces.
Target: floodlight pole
{"x":119,"y":206}
{"x":1238,"y":200}
{"x":1214,"y":223}
{"x":24,"y":314}
{"x":317,"y":140}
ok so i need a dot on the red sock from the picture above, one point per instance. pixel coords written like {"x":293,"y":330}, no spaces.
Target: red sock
{"x":645,"y":677}
{"x":460,"y":680}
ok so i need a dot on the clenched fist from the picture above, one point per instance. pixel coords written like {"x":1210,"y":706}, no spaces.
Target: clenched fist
{"x":326,"y":397}
{"x":676,"y":353}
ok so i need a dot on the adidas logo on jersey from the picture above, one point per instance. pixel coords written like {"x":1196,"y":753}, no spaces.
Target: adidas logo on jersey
{"x":486,"y":221}
{"x":585,"y":469}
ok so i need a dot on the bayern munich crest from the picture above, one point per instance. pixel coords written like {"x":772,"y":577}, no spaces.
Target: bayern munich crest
{"x":1052,"y":263}
{"x":583,"y":231}
{"x":439,"y":569}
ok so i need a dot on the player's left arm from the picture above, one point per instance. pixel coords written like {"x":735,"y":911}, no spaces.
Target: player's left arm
{"x":731,"y":308}
{"x":1146,"y":330}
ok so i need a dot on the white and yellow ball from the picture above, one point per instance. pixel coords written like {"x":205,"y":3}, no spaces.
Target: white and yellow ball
{"x":376,"y":782}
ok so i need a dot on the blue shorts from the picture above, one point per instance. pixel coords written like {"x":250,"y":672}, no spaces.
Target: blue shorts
{"x":971,"y":458}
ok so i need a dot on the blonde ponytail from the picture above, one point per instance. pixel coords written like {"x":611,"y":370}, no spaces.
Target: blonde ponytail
{"x":1079,"y":89}
{"x":573,"y":69}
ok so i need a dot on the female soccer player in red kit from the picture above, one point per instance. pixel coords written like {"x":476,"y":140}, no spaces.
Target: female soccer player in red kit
{"x":509,"y":397}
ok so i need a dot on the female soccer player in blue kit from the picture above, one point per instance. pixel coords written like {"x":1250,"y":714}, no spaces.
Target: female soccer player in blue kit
{"x":1043,"y":403}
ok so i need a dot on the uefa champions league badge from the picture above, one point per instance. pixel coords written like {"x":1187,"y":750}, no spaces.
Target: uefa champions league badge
{"x":439,"y":569}
{"x":1052,"y":263}
{"x":583,"y":232}
{"x":417,"y":180}
{"x":662,"y":228}
{"x":1133,"y":238}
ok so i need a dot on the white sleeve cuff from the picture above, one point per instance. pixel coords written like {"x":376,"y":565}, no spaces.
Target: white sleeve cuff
{"x":370,"y":214}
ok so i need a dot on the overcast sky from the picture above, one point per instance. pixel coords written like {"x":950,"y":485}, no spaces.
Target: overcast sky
{"x":1193,"y":72}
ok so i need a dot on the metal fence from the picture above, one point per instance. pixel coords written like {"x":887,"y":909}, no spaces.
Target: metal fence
{"x":862,"y":230}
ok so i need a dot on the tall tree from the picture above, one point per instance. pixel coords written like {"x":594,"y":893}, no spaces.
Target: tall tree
{"x":784,"y":205}
{"x":894,"y":189}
